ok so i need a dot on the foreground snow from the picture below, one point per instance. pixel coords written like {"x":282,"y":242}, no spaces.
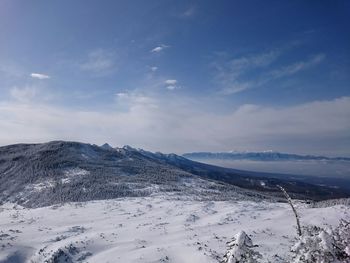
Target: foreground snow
{"x":151,"y":229}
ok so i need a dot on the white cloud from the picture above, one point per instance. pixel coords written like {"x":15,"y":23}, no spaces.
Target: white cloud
{"x":122,"y":95}
{"x":39,"y":76}
{"x":171,"y":87}
{"x":154,"y":69}
{"x":176,"y":125}
{"x":171,"y":84}
{"x":159,"y":48}
{"x":99,"y":61}
{"x":170,"y":81}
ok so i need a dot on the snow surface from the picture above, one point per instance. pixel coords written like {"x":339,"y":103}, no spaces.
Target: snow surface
{"x":151,"y":229}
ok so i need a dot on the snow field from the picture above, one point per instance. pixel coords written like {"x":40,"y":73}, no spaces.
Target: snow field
{"x":151,"y":229}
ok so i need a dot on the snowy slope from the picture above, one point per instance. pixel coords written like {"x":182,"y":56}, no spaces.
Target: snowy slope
{"x":150,"y":229}
{"x":36,"y":175}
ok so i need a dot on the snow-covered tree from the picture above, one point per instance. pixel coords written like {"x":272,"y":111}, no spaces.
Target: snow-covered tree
{"x":240,"y":250}
{"x":318,"y":245}
{"x":315,"y":245}
{"x":290,"y":202}
{"x":341,"y":237}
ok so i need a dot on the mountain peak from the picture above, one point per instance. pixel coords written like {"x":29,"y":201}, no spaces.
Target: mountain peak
{"x":106,"y":146}
{"x":129,"y":148}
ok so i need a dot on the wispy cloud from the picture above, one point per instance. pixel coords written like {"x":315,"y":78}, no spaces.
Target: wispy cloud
{"x":159,"y":48}
{"x":99,"y":61}
{"x":31,"y":94}
{"x":236,"y":87}
{"x":189,"y":12}
{"x":296,"y":67}
{"x":24,"y":94}
{"x":229,"y":72}
{"x":254,"y":61}
{"x":39,"y":76}
{"x":154,"y":69}
{"x":239,"y":74}
{"x":132,"y":99}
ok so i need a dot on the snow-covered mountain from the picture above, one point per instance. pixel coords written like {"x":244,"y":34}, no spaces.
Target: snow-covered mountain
{"x":148,"y":207}
{"x":259,"y":156}
{"x":55,"y":172}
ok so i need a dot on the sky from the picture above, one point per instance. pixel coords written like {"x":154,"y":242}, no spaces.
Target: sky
{"x":177,"y":76}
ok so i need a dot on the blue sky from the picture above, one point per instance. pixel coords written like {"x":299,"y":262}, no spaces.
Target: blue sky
{"x":177,"y":76}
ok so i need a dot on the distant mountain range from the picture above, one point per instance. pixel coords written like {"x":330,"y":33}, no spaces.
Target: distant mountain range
{"x":259,"y":156}
{"x":37,"y":175}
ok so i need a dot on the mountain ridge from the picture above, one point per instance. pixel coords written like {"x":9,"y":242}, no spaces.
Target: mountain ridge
{"x":259,"y":156}
{"x":55,"y":172}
